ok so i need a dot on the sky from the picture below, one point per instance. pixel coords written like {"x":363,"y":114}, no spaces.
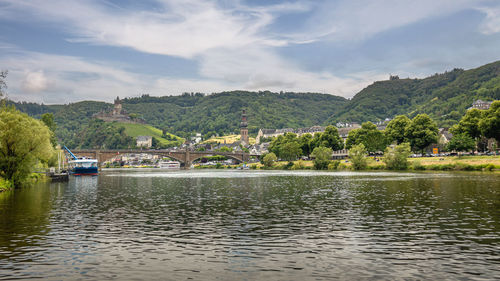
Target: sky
{"x":61,"y":51}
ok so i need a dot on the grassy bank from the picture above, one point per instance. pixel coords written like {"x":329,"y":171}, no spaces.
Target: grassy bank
{"x":465,"y":163}
{"x":5,"y":185}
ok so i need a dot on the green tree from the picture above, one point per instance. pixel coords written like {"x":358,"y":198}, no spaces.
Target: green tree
{"x":305,"y":144}
{"x":490,"y":124}
{"x":396,"y":129}
{"x":48,"y":120}
{"x":469,"y":124}
{"x":290,"y":151}
{"x":331,"y":138}
{"x":269,"y":159}
{"x":396,"y":158}
{"x":368,"y":135}
{"x":23,"y":142}
{"x":461,"y":142}
{"x":357,"y":154}
{"x":421,"y":132}
{"x":322,"y":156}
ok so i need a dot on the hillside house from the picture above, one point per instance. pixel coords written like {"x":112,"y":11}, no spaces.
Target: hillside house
{"x":144,"y":141}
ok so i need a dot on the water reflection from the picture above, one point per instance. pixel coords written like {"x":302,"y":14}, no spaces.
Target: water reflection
{"x":254,"y":225}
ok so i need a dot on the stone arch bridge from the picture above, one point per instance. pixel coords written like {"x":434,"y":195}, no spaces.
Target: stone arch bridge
{"x":186,"y":157}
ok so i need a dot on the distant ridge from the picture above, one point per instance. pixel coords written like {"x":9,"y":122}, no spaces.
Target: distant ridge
{"x":445,"y":97}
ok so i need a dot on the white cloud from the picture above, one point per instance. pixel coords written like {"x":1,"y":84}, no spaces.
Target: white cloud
{"x":35,"y":82}
{"x":492,"y":22}
{"x":179,"y":28}
{"x":347,"y":20}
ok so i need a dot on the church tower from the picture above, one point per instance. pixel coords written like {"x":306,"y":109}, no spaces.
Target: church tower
{"x":244,"y":129}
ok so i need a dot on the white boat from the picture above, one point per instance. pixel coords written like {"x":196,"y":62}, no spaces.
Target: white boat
{"x":83,"y":166}
{"x":169,"y":165}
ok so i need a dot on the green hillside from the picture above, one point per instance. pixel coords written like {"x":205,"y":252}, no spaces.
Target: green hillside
{"x":135,"y":130}
{"x":445,"y":97}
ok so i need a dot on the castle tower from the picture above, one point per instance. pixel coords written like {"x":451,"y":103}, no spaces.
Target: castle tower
{"x":244,"y":129}
{"x":117,"y":110}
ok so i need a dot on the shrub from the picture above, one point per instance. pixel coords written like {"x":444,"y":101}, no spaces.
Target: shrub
{"x":299,"y":165}
{"x":342,"y":166}
{"x":489,"y":167}
{"x":396,"y":158}
{"x":357,"y":154}
{"x":269,"y":159}
{"x":333,"y":165}
{"x":416,"y":165}
{"x":322,"y":156}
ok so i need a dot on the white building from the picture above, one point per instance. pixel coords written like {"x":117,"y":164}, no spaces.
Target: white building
{"x":144,"y":141}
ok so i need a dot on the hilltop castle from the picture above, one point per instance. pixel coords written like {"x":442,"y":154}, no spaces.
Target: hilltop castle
{"x":118,"y":114}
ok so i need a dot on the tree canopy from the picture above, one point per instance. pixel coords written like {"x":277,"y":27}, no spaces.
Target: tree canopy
{"x":24,"y":141}
{"x":372,"y":139}
{"x":421,"y":132}
{"x":396,"y":129}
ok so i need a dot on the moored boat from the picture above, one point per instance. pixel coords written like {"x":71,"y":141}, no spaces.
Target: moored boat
{"x":82,"y":166}
{"x":169,"y":165}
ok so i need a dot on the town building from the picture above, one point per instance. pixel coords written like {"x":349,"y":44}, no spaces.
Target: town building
{"x":244,"y":129}
{"x":144,"y":141}
{"x":269,"y":133}
{"x":480,"y":104}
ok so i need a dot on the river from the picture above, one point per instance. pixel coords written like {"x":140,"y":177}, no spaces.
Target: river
{"x":254,"y":225}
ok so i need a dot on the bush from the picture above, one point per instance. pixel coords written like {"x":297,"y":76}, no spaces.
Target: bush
{"x":288,"y":166}
{"x":253,"y":167}
{"x":299,"y":165}
{"x":357,"y":154}
{"x":416,"y":165}
{"x":397,"y":158}
{"x":342,"y":166}
{"x":489,"y":167}
{"x":322,"y":156}
{"x":5,"y":185}
{"x":269,"y":159}
{"x":333,"y":165}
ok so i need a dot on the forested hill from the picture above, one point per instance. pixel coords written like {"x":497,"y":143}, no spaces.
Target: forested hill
{"x":445,"y":97}
{"x":207,"y":114}
{"x":221,"y":112}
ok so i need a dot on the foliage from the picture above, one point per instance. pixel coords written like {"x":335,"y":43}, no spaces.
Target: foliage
{"x":164,"y":139}
{"x":269,"y":159}
{"x":334,"y":165}
{"x":490,"y":124}
{"x":421,"y":132}
{"x":445,"y":97}
{"x":469,"y":124}
{"x":357,"y":155}
{"x":48,"y":120}
{"x":322,"y":156}
{"x":290,"y":151}
{"x":305,"y":144}
{"x":368,"y":135}
{"x":396,"y":158}
{"x":331,"y":138}
{"x":24,"y":141}
{"x":101,"y":135}
{"x":396,"y":129}
{"x":224,"y":149}
{"x":461,"y":142}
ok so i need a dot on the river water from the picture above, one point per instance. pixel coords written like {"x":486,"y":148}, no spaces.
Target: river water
{"x":254,"y":225}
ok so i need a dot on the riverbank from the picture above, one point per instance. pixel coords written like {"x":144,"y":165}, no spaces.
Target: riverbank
{"x":449,"y":163}
{"x":5,"y":185}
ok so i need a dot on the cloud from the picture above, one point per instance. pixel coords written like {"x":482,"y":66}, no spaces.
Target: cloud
{"x":35,"y":82}
{"x":347,"y":20}
{"x":178,"y":28}
{"x":492,"y":22}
